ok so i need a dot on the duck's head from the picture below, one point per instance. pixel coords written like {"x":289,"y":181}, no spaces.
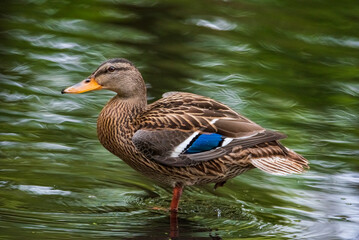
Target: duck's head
{"x":118,"y":75}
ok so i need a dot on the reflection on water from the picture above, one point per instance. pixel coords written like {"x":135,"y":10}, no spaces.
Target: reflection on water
{"x":290,"y":66}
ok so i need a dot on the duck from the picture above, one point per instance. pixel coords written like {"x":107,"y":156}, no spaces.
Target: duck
{"x":182,"y":139}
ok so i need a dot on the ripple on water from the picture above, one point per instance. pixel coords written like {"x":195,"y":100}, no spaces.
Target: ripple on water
{"x":219,"y":24}
{"x":41,"y":190}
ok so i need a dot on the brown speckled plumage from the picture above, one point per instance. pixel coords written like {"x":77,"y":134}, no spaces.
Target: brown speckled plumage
{"x":155,"y":139}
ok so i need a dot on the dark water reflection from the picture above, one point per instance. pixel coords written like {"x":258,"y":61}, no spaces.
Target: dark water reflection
{"x":290,"y":66}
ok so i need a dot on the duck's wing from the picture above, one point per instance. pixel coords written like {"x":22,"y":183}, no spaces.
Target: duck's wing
{"x":184,"y":129}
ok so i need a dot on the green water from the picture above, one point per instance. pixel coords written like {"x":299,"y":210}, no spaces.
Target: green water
{"x":292,"y":66}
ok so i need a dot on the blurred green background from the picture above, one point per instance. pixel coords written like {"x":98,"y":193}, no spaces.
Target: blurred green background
{"x":292,"y":66}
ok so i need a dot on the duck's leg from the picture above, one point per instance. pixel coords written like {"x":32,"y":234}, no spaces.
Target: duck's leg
{"x":174,"y":229}
{"x":219,"y":184}
{"x":177,"y":192}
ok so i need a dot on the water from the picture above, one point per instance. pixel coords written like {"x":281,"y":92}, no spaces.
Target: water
{"x":291,"y":66}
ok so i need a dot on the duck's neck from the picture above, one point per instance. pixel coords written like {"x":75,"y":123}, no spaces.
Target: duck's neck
{"x":117,"y":123}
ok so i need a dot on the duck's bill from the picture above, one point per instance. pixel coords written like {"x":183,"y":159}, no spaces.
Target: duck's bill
{"x":83,"y":86}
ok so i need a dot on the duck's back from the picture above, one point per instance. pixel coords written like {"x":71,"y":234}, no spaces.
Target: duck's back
{"x":184,"y":130}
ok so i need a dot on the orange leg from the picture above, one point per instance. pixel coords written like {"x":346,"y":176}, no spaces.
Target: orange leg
{"x":177,"y":192}
{"x":174,"y":230}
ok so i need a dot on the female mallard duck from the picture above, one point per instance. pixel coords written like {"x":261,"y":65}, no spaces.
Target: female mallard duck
{"x":182,"y":139}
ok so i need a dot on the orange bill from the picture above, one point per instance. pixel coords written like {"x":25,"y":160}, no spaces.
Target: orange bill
{"x":83,"y":86}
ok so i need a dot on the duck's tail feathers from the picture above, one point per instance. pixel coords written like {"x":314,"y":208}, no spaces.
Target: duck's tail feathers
{"x":288,"y":163}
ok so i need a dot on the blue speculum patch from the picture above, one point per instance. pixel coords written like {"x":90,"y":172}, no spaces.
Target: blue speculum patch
{"x":205,"y":142}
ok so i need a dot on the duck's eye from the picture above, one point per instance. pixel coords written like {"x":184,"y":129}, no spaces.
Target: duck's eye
{"x":111,"y":69}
